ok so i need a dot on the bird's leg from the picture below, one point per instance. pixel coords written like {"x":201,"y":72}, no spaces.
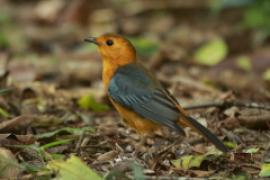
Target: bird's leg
{"x":145,"y":147}
{"x":140,"y":146}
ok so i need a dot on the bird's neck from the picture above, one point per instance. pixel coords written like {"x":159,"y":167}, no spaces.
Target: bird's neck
{"x":109,"y":68}
{"x":108,"y":71}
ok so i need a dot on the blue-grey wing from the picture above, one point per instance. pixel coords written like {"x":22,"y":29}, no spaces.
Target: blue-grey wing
{"x":134,"y":88}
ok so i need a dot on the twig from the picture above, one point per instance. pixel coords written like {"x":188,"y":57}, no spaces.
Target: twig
{"x":162,"y":153}
{"x":223,"y":104}
{"x":78,"y":145}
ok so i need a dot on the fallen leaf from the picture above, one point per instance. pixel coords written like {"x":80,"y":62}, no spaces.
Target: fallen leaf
{"x":265,"y":170}
{"x":9,"y":166}
{"x":231,"y":145}
{"x":107,"y":156}
{"x":231,"y":112}
{"x":5,"y":91}
{"x":72,"y":169}
{"x":89,"y":102}
{"x":12,"y":139}
{"x":254,"y":118}
{"x":212,"y":52}
{"x":244,"y":63}
{"x":57,"y":156}
{"x":189,"y":161}
{"x":199,"y":173}
{"x":4,"y":42}
{"x":251,"y":150}
{"x":4,"y":113}
{"x":15,"y":123}
{"x":138,"y":171}
{"x":266,"y":75}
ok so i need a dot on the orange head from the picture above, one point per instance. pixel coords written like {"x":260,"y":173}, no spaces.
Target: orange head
{"x":114,"y":49}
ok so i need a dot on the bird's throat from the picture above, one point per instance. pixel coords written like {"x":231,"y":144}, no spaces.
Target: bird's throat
{"x":108,"y":72}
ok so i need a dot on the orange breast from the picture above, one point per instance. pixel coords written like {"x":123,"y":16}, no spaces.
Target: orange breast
{"x":135,"y":121}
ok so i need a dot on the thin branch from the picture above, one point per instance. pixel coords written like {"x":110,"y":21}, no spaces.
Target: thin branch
{"x":223,"y":104}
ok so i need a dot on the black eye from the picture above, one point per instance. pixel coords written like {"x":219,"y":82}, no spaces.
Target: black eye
{"x":109,"y":42}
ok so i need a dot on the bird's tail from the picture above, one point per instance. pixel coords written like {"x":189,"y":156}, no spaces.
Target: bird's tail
{"x":191,"y":122}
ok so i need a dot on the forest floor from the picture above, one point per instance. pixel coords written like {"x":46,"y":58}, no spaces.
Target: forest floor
{"x":53,"y":106}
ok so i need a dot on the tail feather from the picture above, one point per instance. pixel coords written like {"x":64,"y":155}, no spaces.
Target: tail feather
{"x":206,"y":133}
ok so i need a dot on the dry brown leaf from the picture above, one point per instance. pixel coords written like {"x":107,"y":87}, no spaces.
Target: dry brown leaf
{"x":16,"y":122}
{"x":13,"y":139}
{"x":9,"y":166}
{"x":254,"y":118}
{"x":48,"y":11}
{"x":108,"y":156}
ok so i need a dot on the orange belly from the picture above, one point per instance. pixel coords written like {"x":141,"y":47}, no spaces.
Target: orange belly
{"x":140,"y":124}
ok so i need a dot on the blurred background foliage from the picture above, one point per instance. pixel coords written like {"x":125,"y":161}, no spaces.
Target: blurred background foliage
{"x":223,"y":35}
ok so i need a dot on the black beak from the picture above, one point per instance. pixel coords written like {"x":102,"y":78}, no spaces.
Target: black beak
{"x":91,"y":40}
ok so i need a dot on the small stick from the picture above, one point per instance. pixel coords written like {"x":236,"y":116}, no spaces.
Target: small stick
{"x":223,"y":104}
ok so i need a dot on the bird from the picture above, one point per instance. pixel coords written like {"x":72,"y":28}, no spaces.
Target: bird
{"x":140,"y":99}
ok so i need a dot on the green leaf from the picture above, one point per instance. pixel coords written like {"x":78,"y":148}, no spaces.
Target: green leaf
{"x":72,"y":169}
{"x":4,"y":43}
{"x":36,"y":148}
{"x":218,"y":5}
{"x":5,"y":19}
{"x":57,"y":156}
{"x":231,"y":145}
{"x":74,"y":131}
{"x":244,"y":63}
{"x":30,"y":168}
{"x":89,"y":102}
{"x":251,"y":150}
{"x":213,"y":151}
{"x":56,"y":143}
{"x":5,"y":91}
{"x":241,"y":175}
{"x":138,"y":172}
{"x":266,"y":75}
{"x":144,"y":46}
{"x":189,"y":161}
{"x":265,"y":170}
{"x":212,"y":52}
{"x":4,"y":113}
{"x":257,"y":15}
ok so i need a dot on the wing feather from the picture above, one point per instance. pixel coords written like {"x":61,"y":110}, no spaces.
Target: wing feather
{"x":134,"y":88}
